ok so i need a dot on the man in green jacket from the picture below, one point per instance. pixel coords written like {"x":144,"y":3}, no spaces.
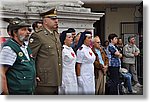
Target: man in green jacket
{"x":17,"y":65}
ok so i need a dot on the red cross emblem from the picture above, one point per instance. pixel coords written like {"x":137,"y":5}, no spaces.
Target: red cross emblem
{"x":72,"y":54}
{"x":90,"y":53}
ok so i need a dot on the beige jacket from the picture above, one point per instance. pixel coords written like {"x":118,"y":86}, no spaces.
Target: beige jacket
{"x":128,"y":51}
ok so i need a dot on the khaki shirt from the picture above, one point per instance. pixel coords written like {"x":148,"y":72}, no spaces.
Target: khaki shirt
{"x":128,"y":51}
{"x":46,"y":48}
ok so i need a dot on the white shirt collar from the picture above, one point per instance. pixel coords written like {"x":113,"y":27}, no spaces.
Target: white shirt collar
{"x":85,"y":46}
{"x":67,"y":47}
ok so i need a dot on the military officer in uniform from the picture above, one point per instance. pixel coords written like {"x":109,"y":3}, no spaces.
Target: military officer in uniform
{"x":46,"y":48}
{"x":17,"y":65}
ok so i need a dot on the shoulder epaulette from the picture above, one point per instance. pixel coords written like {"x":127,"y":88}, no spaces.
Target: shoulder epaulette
{"x":38,"y":31}
{"x":45,"y":32}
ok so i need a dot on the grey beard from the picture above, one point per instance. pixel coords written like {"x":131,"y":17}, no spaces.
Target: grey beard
{"x":21,"y":38}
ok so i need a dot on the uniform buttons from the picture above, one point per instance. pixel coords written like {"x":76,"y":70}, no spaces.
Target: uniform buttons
{"x":24,"y":77}
{"x":49,"y":46}
{"x":58,"y":50}
{"x":59,"y":64}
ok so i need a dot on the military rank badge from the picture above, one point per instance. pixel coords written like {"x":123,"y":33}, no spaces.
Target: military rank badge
{"x":20,"y":54}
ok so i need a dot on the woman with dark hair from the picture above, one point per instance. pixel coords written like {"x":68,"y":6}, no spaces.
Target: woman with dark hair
{"x":69,"y":79}
{"x":85,"y":67}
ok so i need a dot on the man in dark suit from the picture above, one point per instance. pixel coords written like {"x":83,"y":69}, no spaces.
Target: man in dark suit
{"x":46,"y":48}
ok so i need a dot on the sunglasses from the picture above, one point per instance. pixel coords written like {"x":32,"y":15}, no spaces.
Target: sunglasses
{"x":98,"y":42}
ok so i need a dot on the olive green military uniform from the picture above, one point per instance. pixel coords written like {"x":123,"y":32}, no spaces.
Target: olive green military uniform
{"x":46,"y":48}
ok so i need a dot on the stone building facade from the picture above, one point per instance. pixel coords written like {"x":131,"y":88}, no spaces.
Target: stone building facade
{"x":70,"y":13}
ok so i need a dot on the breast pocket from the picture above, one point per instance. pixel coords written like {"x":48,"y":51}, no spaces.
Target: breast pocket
{"x":50,"y":49}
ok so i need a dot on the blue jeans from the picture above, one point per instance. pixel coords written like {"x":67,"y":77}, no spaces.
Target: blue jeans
{"x":127,"y":77}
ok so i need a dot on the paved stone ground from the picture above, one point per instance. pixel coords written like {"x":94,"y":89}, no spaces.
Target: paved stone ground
{"x":139,"y":91}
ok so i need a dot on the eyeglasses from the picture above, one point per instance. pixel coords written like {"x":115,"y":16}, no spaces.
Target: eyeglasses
{"x":98,"y":42}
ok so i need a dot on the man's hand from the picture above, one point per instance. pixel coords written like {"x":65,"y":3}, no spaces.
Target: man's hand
{"x":120,"y":55}
{"x":105,"y":68}
{"x":117,"y":53}
{"x":136,"y":53}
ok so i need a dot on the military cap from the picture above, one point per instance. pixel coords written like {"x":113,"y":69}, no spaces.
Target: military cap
{"x":17,"y":23}
{"x":51,"y":13}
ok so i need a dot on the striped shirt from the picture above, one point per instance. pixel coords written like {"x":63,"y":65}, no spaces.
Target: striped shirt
{"x":8,"y":56}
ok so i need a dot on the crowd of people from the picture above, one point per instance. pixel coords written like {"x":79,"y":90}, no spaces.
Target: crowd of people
{"x":44,"y":62}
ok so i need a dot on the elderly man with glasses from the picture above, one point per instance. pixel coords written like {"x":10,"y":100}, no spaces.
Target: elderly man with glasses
{"x":100,"y":66}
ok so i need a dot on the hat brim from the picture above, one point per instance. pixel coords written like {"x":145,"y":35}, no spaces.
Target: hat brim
{"x":53,"y":17}
{"x":24,"y":25}
{"x":13,"y":27}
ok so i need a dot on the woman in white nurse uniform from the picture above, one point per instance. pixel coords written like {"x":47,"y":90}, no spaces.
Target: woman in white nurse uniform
{"x":85,"y":67}
{"x":69,"y":79}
